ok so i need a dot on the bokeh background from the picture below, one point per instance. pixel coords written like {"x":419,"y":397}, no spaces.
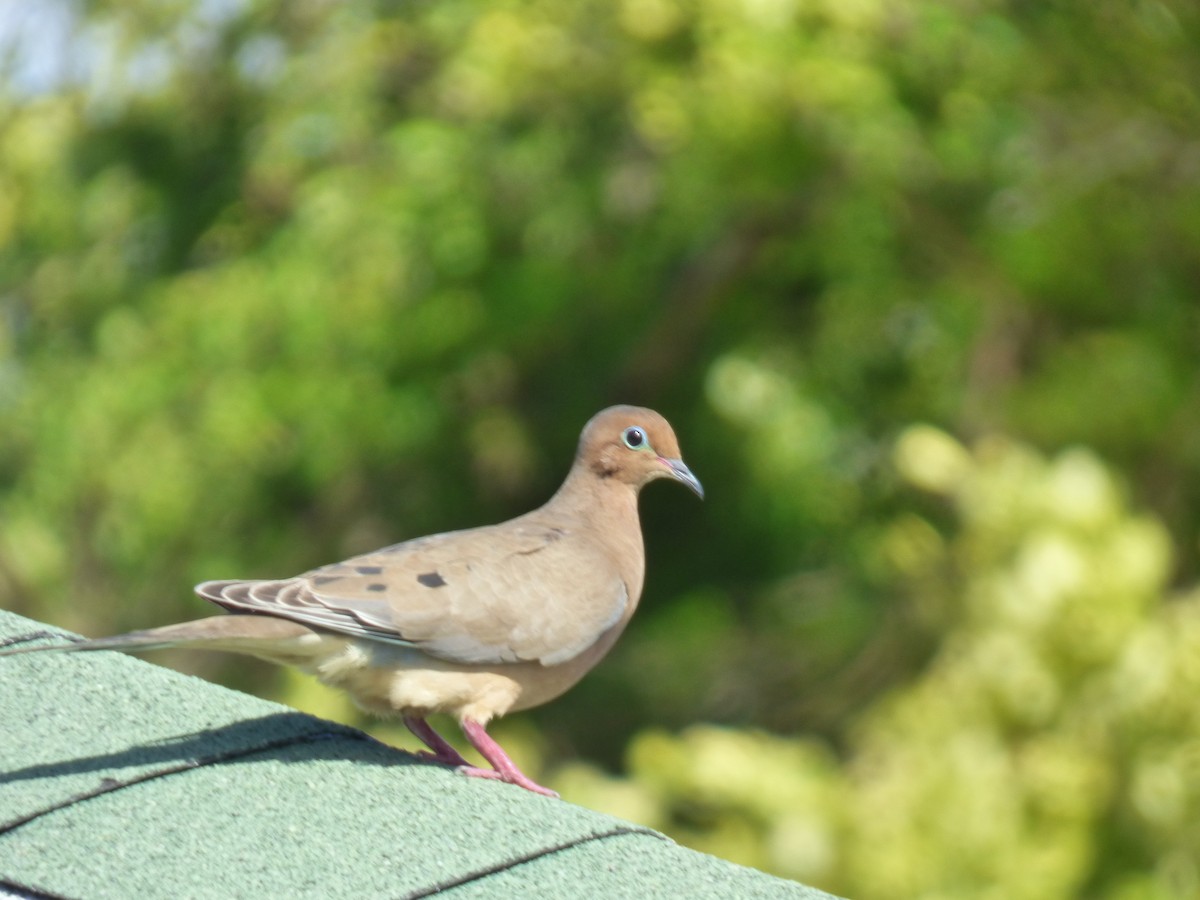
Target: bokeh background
{"x":917,"y":283}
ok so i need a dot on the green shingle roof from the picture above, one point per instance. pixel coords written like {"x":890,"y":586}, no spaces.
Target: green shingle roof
{"x":123,"y":779}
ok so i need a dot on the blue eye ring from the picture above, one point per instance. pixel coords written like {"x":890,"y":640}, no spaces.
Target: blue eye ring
{"x":634,"y":437}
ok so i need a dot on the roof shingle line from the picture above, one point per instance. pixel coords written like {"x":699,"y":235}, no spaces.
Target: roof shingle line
{"x":515,"y":861}
{"x":26,"y":892}
{"x":108,"y":785}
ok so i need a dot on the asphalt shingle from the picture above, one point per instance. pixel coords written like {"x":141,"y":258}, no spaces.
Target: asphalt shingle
{"x":119,"y":778}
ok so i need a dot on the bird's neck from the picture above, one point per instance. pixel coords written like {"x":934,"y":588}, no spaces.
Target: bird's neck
{"x":597,"y":498}
{"x":608,"y":509}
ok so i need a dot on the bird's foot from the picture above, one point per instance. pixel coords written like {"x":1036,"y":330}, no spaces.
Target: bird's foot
{"x":504,"y":769}
{"x":515,"y":776}
{"x":449,"y":757}
{"x":440,"y":750}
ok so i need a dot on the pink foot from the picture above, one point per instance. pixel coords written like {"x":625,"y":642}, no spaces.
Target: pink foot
{"x":442,"y":751}
{"x":505,"y":769}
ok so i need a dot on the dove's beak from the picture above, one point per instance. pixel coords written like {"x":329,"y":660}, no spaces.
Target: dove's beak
{"x":680,"y":472}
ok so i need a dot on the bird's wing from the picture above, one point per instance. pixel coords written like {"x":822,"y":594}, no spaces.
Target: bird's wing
{"x":521,"y":591}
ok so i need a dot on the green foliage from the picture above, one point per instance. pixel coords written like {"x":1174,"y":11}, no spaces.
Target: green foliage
{"x":280,"y":282}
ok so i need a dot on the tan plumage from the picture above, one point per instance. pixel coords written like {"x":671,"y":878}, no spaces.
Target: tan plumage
{"x":473,"y":623}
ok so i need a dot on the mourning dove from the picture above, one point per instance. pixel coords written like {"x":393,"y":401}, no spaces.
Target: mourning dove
{"x":474,"y":623}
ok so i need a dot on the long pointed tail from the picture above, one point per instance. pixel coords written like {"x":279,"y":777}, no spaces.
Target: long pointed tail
{"x":266,"y":636}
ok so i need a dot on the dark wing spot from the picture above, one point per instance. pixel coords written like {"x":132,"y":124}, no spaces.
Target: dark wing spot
{"x":368,"y":570}
{"x":377,"y":586}
{"x":325,"y":579}
{"x":431,"y":580}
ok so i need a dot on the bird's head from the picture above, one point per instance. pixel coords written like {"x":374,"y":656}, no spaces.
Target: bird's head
{"x":633,"y":445}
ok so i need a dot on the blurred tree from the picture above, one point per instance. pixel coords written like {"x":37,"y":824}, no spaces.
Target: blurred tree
{"x":280,"y":282}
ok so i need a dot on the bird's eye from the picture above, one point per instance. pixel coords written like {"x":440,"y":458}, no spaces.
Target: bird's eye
{"x":634,"y":437}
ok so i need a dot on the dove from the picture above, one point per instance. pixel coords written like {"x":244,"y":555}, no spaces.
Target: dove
{"x":474,"y":624}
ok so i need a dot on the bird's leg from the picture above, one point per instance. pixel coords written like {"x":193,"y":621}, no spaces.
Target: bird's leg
{"x":442,"y":751}
{"x":505,"y":769}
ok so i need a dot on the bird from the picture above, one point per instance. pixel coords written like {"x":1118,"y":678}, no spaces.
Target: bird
{"x":475,"y":623}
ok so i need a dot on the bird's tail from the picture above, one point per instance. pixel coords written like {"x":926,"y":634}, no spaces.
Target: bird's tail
{"x":265,"y":636}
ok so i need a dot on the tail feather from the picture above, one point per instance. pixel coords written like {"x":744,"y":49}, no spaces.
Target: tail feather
{"x":265,"y":636}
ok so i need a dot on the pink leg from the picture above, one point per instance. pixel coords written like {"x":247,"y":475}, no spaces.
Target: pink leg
{"x":442,"y":751}
{"x":505,"y":769}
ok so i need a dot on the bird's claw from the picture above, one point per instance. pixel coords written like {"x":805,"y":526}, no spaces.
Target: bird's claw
{"x":515,"y":778}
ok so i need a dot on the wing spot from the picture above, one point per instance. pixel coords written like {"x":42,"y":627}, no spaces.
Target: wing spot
{"x":377,"y":586}
{"x":326,"y":579}
{"x":431,"y":580}
{"x":368,"y":570}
